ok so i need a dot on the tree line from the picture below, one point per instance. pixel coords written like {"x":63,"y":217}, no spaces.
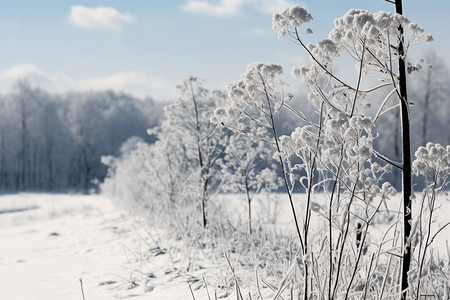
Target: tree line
{"x":53,"y":142}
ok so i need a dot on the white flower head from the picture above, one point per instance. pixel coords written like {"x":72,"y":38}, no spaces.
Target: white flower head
{"x":290,"y":19}
{"x":433,"y":158}
{"x":375,"y":31}
{"x":256,"y":81}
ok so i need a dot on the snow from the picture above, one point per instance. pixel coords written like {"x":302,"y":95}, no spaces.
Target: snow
{"x":51,"y":241}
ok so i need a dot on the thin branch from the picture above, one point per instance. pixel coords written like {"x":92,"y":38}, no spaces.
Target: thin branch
{"x":383,"y":104}
{"x":271,"y":287}
{"x":440,"y":229}
{"x":275,"y":136}
{"x":299,"y":114}
{"x":388,"y":160}
{"x":389,"y":109}
{"x":192,"y":292}
{"x":321,"y":65}
{"x":359,"y":80}
{"x":82,"y":290}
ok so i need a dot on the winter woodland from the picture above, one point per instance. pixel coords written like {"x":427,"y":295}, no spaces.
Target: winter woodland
{"x":334,"y":189}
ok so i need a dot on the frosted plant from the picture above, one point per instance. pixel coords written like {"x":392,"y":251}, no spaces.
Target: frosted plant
{"x":242,"y":171}
{"x":337,"y":154}
{"x":253,"y":103}
{"x":433,"y":163}
{"x":289,"y":18}
{"x":170,"y":167}
{"x":190,"y":127}
{"x":375,"y":41}
{"x":180,"y":167}
{"x":129,"y":177}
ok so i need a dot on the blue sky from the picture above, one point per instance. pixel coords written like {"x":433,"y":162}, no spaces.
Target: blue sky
{"x":146,"y":47}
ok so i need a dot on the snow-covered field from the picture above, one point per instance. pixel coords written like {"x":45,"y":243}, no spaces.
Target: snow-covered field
{"x":48,"y":242}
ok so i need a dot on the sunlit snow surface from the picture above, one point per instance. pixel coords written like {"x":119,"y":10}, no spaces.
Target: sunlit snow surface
{"x":48,"y":242}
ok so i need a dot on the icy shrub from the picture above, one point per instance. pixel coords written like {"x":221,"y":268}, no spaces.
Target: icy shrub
{"x":129,"y":177}
{"x":242,"y":171}
{"x":433,"y":164}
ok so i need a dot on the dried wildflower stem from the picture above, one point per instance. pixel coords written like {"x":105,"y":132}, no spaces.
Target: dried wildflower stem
{"x":82,"y":289}
{"x":275,"y":136}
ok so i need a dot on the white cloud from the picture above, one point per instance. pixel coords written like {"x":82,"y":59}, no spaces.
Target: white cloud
{"x":233,"y":7}
{"x":21,"y":71}
{"x":36,"y":76}
{"x":272,"y":6}
{"x":223,"y":8}
{"x":136,"y":82}
{"x":99,"y":17}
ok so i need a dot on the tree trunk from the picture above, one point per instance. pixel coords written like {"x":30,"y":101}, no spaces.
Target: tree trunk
{"x":406,"y":151}
{"x":249,"y":201}
{"x":23,"y":153}
{"x":397,"y":153}
{"x":204,"y":169}
{"x":3,"y":168}
{"x":425,"y":109}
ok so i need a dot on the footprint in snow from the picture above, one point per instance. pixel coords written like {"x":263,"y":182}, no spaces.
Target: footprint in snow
{"x":108,"y":282}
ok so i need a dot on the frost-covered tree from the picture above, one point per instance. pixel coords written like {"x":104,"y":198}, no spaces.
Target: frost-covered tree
{"x":171,"y":167}
{"x":25,"y":105}
{"x":42,"y":135}
{"x":180,"y":167}
{"x":243,"y":170}
{"x":190,"y":127}
{"x":130,"y":177}
{"x":99,"y":123}
{"x":429,"y":89}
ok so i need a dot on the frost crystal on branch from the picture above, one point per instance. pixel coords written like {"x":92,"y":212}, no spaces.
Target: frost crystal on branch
{"x":370,"y":38}
{"x":433,"y":158}
{"x":259,"y":79}
{"x":255,"y":83}
{"x":289,"y":19}
{"x":375,"y":32}
{"x":326,"y":50}
{"x":251,"y":101}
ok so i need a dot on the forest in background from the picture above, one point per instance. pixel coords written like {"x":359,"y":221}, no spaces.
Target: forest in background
{"x":54,"y":142}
